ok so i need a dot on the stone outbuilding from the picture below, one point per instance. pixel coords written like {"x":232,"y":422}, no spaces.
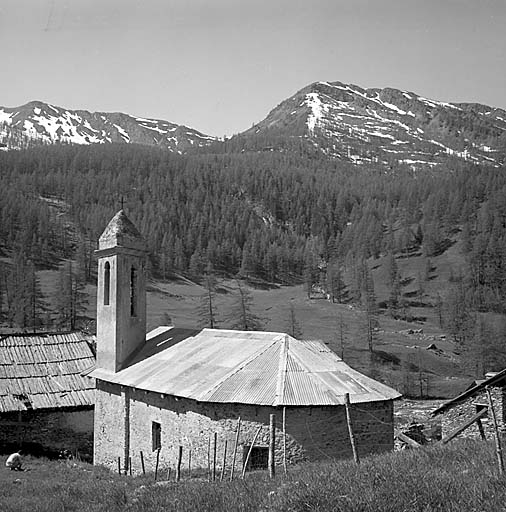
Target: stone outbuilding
{"x":46,"y":403}
{"x":179,"y":387}
{"x":461,"y":409}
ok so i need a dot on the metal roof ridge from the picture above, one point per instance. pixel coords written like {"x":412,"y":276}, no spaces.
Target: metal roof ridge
{"x":239,"y":330}
{"x":241,"y":366}
{"x":316,"y":379}
{"x":283,"y":363}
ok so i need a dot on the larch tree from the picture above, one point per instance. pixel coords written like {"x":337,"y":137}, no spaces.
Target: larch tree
{"x":341,"y":334}
{"x":206,"y":309}
{"x":241,"y":314}
{"x":70,"y":298}
{"x":293,"y":326}
{"x":370,"y":307}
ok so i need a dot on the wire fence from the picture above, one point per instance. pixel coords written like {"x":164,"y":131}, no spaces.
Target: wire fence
{"x":325,"y":437}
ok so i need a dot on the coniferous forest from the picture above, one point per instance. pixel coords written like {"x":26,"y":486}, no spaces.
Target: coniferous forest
{"x":283,"y":216}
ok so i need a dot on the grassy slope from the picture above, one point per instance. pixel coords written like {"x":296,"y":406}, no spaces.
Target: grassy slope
{"x":461,"y":477}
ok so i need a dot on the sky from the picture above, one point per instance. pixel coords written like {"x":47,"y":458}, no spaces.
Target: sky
{"x":221,"y":65}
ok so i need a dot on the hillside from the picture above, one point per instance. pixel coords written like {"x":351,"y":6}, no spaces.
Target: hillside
{"x":401,"y":251}
{"x":38,"y":123}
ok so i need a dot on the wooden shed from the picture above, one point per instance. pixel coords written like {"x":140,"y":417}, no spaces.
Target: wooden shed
{"x":46,"y":402}
{"x":472,"y":407}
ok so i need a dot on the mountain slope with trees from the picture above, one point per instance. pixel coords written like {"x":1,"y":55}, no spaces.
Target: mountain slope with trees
{"x":403,"y":245}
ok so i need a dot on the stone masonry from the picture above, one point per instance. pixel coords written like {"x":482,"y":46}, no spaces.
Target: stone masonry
{"x":124,"y":419}
{"x":459,"y":413}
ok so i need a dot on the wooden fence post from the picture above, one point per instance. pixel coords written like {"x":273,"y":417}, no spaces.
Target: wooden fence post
{"x":142,"y":464}
{"x":157,"y":462}
{"x":189,"y":463}
{"x":245,"y":465}
{"x":179,"y":459}
{"x":235,"y":448}
{"x":209,"y":458}
{"x":498,"y":446}
{"x":224,"y":461}
{"x":272,"y":441}
{"x":284,"y":439}
{"x":119,"y":465}
{"x":214,"y":455}
{"x":350,"y":427}
{"x":130,"y":466}
{"x":480,"y":428}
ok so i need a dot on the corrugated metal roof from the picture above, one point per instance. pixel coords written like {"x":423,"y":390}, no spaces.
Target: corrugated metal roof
{"x":40,"y":371}
{"x":262,"y":368}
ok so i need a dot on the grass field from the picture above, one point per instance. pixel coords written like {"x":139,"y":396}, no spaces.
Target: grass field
{"x":460,"y":477}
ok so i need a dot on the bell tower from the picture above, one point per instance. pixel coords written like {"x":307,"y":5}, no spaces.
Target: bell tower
{"x":121,"y":293}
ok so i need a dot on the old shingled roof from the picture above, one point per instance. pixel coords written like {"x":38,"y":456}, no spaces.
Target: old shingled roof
{"x":495,"y":380}
{"x":43,"y":371}
{"x":249,"y":367}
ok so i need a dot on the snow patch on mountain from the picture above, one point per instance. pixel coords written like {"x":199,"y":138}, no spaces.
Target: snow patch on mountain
{"x":38,"y":122}
{"x":315,"y":104}
{"x":389,"y":126}
{"x":123,"y":133}
{"x":5,"y":117}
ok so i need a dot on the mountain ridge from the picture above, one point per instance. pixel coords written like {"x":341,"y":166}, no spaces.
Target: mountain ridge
{"x":37,"y":122}
{"x":388,"y":126}
{"x":382,"y":127}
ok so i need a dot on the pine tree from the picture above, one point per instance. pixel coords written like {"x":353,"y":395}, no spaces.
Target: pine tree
{"x":34,"y":298}
{"x":335,"y":283}
{"x":420,"y":290}
{"x":439,"y":309}
{"x":341,"y":331}
{"x":70,"y":298}
{"x":19,"y":290}
{"x":247,"y":261}
{"x":458,"y":316}
{"x":309,"y":275}
{"x":206,"y":310}
{"x":407,"y":377}
{"x":427,"y":269}
{"x":293,"y":327}
{"x":371,"y":308}
{"x":241,"y":315}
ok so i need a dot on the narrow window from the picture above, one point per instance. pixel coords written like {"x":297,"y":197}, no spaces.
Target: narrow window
{"x":156,"y":436}
{"x":133,"y":292}
{"x":107,"y":283}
